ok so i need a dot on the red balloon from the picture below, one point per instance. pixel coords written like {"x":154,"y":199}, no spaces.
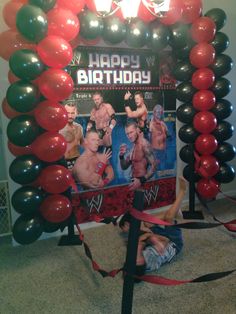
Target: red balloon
{"x":11,"y":41}
{"x":118,"y":12}
{"x":12,"y":78}
{"x":56,"y":208}
{"x":90,"y":4}
{"x":202,"y":55}
{"x":208,"y":188}
{"x":9,"y":12}
{"x":207,"y":166}
{"x":89,"y":42}
{"x":204,"y":122}
{"x":174,"y":13}
{"x":8,"y":111}
{"x":55,"y":51}
{"x":203,"y":29}
{"x":19,"y":150}
{"x":51,"y":115}
{"x":204,"y":100}
{"x":74,"y":6}
{"x":49,"y":146}
{"x":192,"y":9}
{"x":75,"y":42}
{"x":203,"y":78}
{"x":63,"y":23}
{"x":144,"y":14}
{"x":55,"y":179}
{"x":206,"y":144}
{"x":55,"y":84}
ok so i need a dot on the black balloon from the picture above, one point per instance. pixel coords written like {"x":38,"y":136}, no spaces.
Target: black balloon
{"x":50,"y":227}
{"x":220,"y":42}
{"x":225,"y":152}
{"x":25,"y":169}
{"x":91,"y":26}
{"x":221,"y":87}
{"x":27,"y":229}
{"x":186,"y":153}
{"x":225,"y":174}
{"x":23,"y":96}
{"x":179,"y":35}
{"x":222,"y":65}
{"x":218,"y":16}
{"x":26,"y":65}
{"x":185,"y":91}
{"x":137,"y":33}
{"x":23,"y":130}
{"x":188,"y":134}
{"x":114,"y":30}
{"x":222,"y":109}
{"x":44,"y":5}
{"x":159,"y":36}
{"x":185,"y":113}
{"x":223,"y":131}
{"x":27,"y":199}
{"x":183,"y":53}
{"x":190,"y":176}
{"x":183,"y":71}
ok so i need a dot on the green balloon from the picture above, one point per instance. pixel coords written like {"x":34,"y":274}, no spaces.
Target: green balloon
{"x":32,"y":23}
{"x":220,"y":42}
{"x":218,"y":16}
{"x":23,"y":96}
{"x":114,"y":30}
{"x":23,"y":130}
{"x":91,"y":26}
{"x":26,"y":64}
{"x":185,"y":92}
{"x":159,"y":37}
{"x":27,"y":229}
{"x":27,"y":199}
{"x":137,"y":33}
{"x":25,"y":169}
{"x":221,"y":87}
{"x":45,"y":5}
{"x":50,"y":227}
{"x":222,"y":65}
{"x":183,"y":71}
{"x":183,"y":53}
{"x":179,"y":35}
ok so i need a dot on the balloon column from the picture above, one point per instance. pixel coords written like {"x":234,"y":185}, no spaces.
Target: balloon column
{"x":205,"y":89}
{"x":37,"y":46}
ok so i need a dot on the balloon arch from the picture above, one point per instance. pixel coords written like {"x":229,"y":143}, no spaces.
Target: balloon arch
{"x":39,"y":45}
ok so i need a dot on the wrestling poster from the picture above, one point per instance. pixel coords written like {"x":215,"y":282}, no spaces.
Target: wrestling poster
{"x":121,"y":132}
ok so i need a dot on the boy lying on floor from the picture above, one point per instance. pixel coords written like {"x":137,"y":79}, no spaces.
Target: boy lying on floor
{"x":158,"y":244}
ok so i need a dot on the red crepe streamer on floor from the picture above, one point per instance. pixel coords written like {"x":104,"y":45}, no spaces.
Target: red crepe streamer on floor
{"x":159,"y":280}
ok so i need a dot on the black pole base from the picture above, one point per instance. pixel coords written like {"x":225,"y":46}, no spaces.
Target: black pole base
{"x":67,"y":240}
{"x":193,"y":215}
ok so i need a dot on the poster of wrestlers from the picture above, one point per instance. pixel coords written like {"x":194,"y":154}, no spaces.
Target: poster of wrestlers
{"x":121,"y":132}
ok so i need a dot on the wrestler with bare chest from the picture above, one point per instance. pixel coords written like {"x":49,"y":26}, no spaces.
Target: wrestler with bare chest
{"x":92,"y":169}
{"x":141,"y":159}
{"x":102,"y":119}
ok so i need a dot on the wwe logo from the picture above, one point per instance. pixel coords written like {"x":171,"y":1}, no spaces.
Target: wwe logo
{"x":95,"y":203}
{"x":151,"y":194}
{"x":150,"y":61}
{"x":76,"y":58}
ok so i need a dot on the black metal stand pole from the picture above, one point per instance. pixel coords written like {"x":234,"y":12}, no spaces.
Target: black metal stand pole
{"x":71,"y":238}
{"x":192,"y":213}
{"x":130,"y":263}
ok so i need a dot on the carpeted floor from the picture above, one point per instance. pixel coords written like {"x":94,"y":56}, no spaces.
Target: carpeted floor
{"x":46,"y":278}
